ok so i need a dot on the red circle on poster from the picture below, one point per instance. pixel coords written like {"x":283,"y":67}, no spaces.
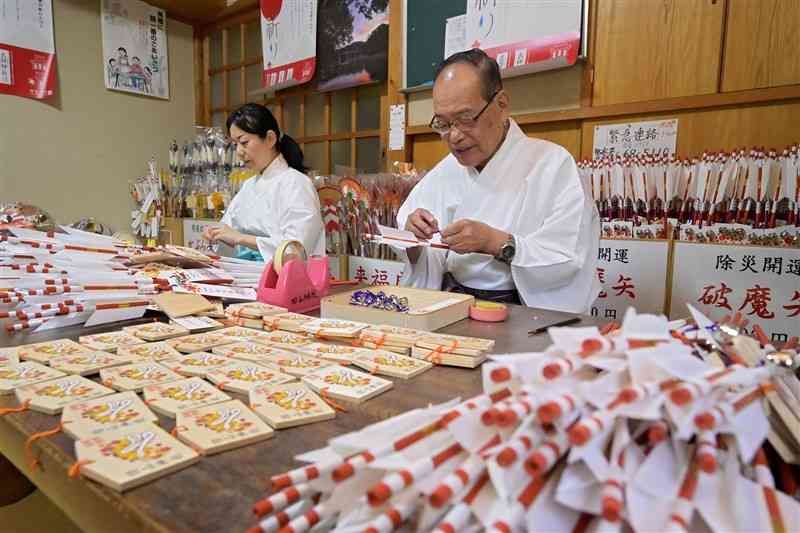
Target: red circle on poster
{"x":271,"y":8}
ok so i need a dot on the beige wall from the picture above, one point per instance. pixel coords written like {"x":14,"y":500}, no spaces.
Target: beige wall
{"x":543,"y":91}
{"x":75,"y":154}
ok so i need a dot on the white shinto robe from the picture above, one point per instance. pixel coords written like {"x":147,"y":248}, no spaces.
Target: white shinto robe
{"x":277,"y":205}
{"x":531,"y":189}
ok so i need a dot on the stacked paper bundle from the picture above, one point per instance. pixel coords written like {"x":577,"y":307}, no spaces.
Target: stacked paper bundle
{"x":391,"y":338}
{"x":251,"y":314}
{"x":51,"y":280}
{"x":452,"y":350}
{"x":743,"y":196}
{"x":629,"y":431}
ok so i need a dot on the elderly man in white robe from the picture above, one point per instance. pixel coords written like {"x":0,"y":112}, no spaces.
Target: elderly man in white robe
{"x":520,"y":224}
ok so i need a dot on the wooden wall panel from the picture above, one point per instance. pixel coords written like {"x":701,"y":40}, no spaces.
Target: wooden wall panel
{"x":652,"y":49}
{"x":761,"y":44}
{"x":567,"y":134}
{"x":429,"y":149}
{"x":769,"y":125}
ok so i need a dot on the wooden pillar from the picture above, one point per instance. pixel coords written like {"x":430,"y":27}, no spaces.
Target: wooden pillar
{"x":394,"y":83}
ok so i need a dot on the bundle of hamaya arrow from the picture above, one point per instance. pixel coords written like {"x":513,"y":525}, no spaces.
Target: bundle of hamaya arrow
{"x":742,"y":197}
{"x":644,"y":429}
{"x":56,"y":279}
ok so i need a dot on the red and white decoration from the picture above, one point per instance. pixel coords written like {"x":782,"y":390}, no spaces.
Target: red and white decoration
{"x":27,"y":48}
{"x":525,"y":37}
{"x":289,"y":40}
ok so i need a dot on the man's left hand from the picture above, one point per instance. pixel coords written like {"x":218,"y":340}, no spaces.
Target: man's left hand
{"x":468,"y":236}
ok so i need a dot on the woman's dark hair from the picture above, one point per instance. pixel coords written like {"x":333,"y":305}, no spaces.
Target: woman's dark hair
{"x":258,"y":120}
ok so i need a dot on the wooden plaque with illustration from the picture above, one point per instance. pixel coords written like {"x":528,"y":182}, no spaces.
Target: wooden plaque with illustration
{"x":221,"y":427}
{"x":289,"y":405}
{"x":170,"y":398}
{"x":132,"y":456}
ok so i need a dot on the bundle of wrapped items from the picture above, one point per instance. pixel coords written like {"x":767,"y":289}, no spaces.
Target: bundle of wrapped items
{"x":390,"y":338}
{"x":632,"y":430}
{"x":745,"y":197}
{"x":50,"y":280}
{"x":452,"y":350}
{"x":251,"y":314}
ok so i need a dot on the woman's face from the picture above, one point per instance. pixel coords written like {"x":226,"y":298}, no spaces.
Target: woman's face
{"x":256,"y":153}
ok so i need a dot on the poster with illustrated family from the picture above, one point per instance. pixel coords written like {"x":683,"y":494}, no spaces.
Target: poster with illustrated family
{"x":135,"y":48}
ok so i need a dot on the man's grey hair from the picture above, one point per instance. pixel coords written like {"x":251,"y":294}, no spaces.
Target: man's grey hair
{"x":488,"y":70}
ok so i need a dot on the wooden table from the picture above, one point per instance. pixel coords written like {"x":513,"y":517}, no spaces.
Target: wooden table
{"x":217,"y":494}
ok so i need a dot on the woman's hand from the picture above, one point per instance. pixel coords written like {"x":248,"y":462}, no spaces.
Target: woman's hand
{"x":222,"y":233}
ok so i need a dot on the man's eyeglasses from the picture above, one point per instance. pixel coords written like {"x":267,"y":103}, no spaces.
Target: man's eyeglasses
{"x":442,"y":127}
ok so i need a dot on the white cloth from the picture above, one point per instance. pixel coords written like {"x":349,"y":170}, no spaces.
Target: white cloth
{"x":531,"y":189}
{"x":277,"y":205}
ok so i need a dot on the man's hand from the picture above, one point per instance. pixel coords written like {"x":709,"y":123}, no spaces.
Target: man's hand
{"x":466,"y":236}
{"x":422,"y":223}
{"x":223,"y":233}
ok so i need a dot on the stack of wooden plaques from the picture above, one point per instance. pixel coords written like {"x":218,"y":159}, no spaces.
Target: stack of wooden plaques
{"x":452,"y":350}
{"x":391,"y":364}
{"x":391,"y":338}
{"x":251,"y":314}
{"x":287,"y":322}
{"x":346,"y":384}
{"x":333,"y":329}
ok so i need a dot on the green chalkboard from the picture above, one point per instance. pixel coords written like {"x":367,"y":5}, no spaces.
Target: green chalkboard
{"x":425,"y":27}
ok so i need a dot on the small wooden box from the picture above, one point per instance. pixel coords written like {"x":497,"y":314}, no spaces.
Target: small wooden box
{"x":429,"y":310}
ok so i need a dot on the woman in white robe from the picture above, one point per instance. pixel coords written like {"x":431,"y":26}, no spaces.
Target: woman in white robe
{"x":280,"y":202}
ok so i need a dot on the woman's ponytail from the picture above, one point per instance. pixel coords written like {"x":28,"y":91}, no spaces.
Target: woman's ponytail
{"x":292,"y":153}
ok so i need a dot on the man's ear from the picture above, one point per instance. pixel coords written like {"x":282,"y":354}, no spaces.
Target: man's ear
{"x":502,"y":100}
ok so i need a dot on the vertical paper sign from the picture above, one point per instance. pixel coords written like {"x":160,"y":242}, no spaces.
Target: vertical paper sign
{"x":135,"y":48}
{"x":27,"y":48}
{"x":528,"y":36}
{"x":761,"y":283}
{"x":631,"y":274}
{"x":289,"y":41}
{"x":656,"y":137}
{"x":375,"y":271}
{"x":397,"y":127}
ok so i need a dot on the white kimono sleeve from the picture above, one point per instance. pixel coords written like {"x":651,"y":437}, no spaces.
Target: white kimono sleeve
{"x":299,"y":219}
{"x":554,"y":255}
{"x":428,"y":271}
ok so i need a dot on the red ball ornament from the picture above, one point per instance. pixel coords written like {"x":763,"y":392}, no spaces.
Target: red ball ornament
{"x":271,"y":8}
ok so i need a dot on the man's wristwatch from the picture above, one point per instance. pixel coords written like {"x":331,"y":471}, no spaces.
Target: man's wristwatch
{"x":507,"y":251}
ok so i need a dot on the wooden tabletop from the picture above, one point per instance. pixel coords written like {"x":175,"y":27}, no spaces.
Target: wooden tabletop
{"x":216,"y":494}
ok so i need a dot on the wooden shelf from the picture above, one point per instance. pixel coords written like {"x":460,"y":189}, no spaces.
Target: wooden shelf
{"x":754,"y":96}
{"x":200,"y":12}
